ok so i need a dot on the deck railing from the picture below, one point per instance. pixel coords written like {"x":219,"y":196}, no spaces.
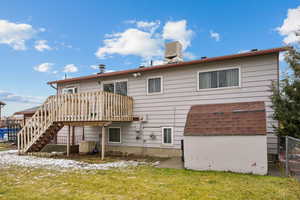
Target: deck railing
{"x":92,"y":106}
{"x":80,"y":107}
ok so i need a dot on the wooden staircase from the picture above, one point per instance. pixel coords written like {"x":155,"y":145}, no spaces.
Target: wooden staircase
{"x":60,"y":110}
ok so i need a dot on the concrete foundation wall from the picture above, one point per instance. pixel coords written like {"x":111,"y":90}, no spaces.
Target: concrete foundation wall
{"x":144,"y":151}
{"x":245,"y":154}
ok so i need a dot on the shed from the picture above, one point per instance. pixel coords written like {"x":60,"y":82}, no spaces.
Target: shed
{"x":226,"y":137}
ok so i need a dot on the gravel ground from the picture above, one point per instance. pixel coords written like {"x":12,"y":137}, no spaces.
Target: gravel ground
{"x":12,"y":158}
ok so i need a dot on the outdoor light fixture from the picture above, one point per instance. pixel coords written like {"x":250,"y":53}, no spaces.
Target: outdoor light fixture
{"x":138,"y":74}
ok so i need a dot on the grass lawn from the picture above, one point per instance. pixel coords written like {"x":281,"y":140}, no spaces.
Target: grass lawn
{"x":143,"y":182}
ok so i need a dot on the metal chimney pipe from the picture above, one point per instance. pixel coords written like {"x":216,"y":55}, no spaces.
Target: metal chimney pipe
{"x":101,"y":68}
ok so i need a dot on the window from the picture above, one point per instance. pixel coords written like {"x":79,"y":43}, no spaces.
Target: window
{"x":109,"y":87}
{"x":167,"y":135}
{"x":121,"y":88}
{"x":114,"y":135}
{"x":118,"y":87}
{"x":154,"y":85}
{"x":71,"y":90}
{"x":219,"y":79}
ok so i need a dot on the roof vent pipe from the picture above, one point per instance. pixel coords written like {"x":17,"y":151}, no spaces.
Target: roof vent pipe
{"x":101,"y":69}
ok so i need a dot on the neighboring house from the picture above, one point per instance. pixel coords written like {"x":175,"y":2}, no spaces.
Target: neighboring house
{"x":2,"y":104}
{"x":27,"y":113}
{"x":162,"y":98}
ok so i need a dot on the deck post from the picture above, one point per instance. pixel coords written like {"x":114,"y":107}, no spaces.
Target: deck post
{"x":103,"y":143}
{"x":83,"y":136}
{"x":68,"y":141}
{"x":73,"y":135}
{"x":19,"y":144}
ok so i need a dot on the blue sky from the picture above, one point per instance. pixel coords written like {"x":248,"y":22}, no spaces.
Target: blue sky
{"x":42,"y":40}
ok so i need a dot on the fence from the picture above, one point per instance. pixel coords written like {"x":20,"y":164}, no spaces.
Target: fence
{"x":289,"y":154}
{"x":9,"y":134}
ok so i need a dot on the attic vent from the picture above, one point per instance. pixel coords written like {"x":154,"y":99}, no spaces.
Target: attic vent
{"x":173,"y":52}
{"x":203,"y":57}
{"x":254,"y":49}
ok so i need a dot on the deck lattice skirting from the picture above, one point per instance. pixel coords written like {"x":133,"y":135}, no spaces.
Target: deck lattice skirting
{"x":67,"y":109}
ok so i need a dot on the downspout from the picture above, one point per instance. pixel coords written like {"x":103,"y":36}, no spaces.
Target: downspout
{"x":51,"y":85}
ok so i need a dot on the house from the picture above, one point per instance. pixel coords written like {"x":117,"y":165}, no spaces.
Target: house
{"x":150,"y":110}
{"x":27,"y":113}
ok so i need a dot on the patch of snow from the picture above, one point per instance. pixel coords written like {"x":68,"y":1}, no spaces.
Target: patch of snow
{"x":11,"y":157}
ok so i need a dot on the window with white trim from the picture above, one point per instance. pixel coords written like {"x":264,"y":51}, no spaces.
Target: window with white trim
{"x":219,"y":78}
{"x":154,"y":85}
{"x":114,"y":135}
{"x":117,"y":87}
{"x":167,"y":135}
{"x":70,"y":90}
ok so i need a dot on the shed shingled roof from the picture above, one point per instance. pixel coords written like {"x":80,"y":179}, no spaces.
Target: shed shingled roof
{"x":246,"y":118}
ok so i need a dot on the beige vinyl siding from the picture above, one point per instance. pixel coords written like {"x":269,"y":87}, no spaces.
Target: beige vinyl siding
{"x":170,"y":108}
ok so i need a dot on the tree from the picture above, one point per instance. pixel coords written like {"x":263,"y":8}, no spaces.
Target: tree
{"x":286,"y":98}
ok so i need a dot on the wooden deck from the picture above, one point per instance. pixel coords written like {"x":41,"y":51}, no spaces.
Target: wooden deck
{"x":89,"y":108}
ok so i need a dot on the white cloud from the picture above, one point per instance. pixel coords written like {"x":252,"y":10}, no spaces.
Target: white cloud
{"x":216,"y":36}
{"x":244,"y":51}
{"x":70,"y":68}
{"x":144,"y":40}
{"x":158,"y":62}
{"x":42,"y":29}
{"x":177,"y":31}
{"x":281,"y":56}
{"x":94,"y":66}
{"x":15,"y":35}
{"x":42,"y":45}
{"x":146,"y":25}
{"x":12,"y":97}
{"x":189,"y":55}
{"x":131,"y":42}
{"x":44,"y":67}
{"x":290,"y":26}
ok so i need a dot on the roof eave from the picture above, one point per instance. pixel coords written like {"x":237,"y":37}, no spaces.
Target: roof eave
{"x":213,"y":59}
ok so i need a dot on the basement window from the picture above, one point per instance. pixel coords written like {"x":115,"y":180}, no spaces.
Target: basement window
{"x":167,"y":135}
{"x":154,"y":85}
{"x":114,"y":135}
{"x":229,"y":77}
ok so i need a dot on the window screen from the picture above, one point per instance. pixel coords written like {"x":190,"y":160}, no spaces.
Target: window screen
{"x":217,"y":79}
{"x":109,"y":87}
{"x":121,"y":88}
{"x":167,"y":135}
{"x":154,"y":85}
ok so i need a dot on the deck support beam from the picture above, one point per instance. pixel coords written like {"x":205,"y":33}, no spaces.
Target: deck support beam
{"x":103,"y":143}
{"x":68,"y":141}
{"x":73,"y":135}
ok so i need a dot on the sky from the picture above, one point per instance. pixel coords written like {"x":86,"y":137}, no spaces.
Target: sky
{"x":47,"y":40}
